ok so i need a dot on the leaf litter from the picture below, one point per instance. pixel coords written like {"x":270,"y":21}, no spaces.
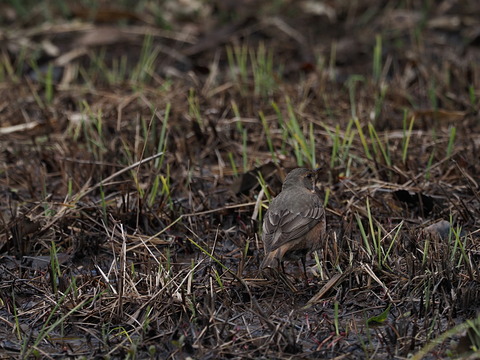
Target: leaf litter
{"x":136,"y":169}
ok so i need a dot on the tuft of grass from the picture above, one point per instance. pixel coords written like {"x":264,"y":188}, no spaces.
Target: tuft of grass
{"x":55,"y":271}
{"x":407,"y":134}
{"x":145,"y":67}
{"x":327,"y":197}
{"x":463,"y":258}
{"x":264,"y":186}
{"x":363,"y":139}
{"x":451,"y":140}
{"x":194,"y":108}
{"x":377,"y":237}
{"x":245,"y":63}
{"x":393,"y":241}
{"x":209,"y":254}
{"x":281,"y":125}
{"x":266,"y":128}
{"x":474,"y":102}
{"x":233,"y":165}
{"x":263,"y":71}
{"x":319,"y":265}
{"x":335,"y":318}
{"x":332,"y":60}
{"x":48,"y":83}
{"x":265,"y":190}
{"x":48,"y":326}
{"x":166,"y":186}
{"x":163,"y":140}
{"x":238,"y":63}
{"x":380,"y":318}
{"x":341,"y":145}
{"x":153,"y":190}
{"x":245,"y":149}
{"x":336,"y":145}
{"x":92,"y":126}
{"x":378,"y":144}
{"x":116,"y":73}
{"x":432,"y":94}
{"x":379,"y":101}
{"x":363,"y":234}
{"x":303,"y":149}
{"x":352,"y":86}
{"x":7,"y":70}
{"x":377,"y":58}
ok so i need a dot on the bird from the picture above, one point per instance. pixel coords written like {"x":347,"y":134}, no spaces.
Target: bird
{"x":294,"y":223}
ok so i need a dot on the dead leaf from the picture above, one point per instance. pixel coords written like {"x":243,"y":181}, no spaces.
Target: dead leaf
{"x":336,"y":279}
{"x":319,"y":8}
{"x":104,"y":15}
{"x":19,"y":128}
{"x":440,"y":114}
{"x":447,"y":23}
{"x":101,"y":36}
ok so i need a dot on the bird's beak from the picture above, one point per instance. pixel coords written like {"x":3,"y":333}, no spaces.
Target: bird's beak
{"x":315,"y":175}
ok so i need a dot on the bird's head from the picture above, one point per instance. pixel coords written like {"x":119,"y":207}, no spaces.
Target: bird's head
{"x":301,"y":177}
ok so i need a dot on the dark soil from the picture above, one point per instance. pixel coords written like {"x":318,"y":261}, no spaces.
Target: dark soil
{"x":103,"y":255}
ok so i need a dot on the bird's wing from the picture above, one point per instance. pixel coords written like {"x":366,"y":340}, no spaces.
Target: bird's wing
{"x":281,"y":227}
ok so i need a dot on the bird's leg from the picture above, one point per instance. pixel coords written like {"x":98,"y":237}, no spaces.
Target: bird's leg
{"x":303,"y":260}
{"x":282,"y":275}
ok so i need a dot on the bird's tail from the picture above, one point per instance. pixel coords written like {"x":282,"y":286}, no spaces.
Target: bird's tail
{"x":273,"y":259}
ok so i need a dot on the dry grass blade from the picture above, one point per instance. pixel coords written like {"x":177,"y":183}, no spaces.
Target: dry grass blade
{"x":334,"y":281}
{"x":102,"y":255}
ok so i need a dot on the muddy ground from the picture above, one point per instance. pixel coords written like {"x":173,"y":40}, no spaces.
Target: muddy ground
{"x":141,"y":143}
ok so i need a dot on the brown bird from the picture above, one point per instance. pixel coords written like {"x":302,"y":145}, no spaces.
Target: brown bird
{"x":294,"y":223}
